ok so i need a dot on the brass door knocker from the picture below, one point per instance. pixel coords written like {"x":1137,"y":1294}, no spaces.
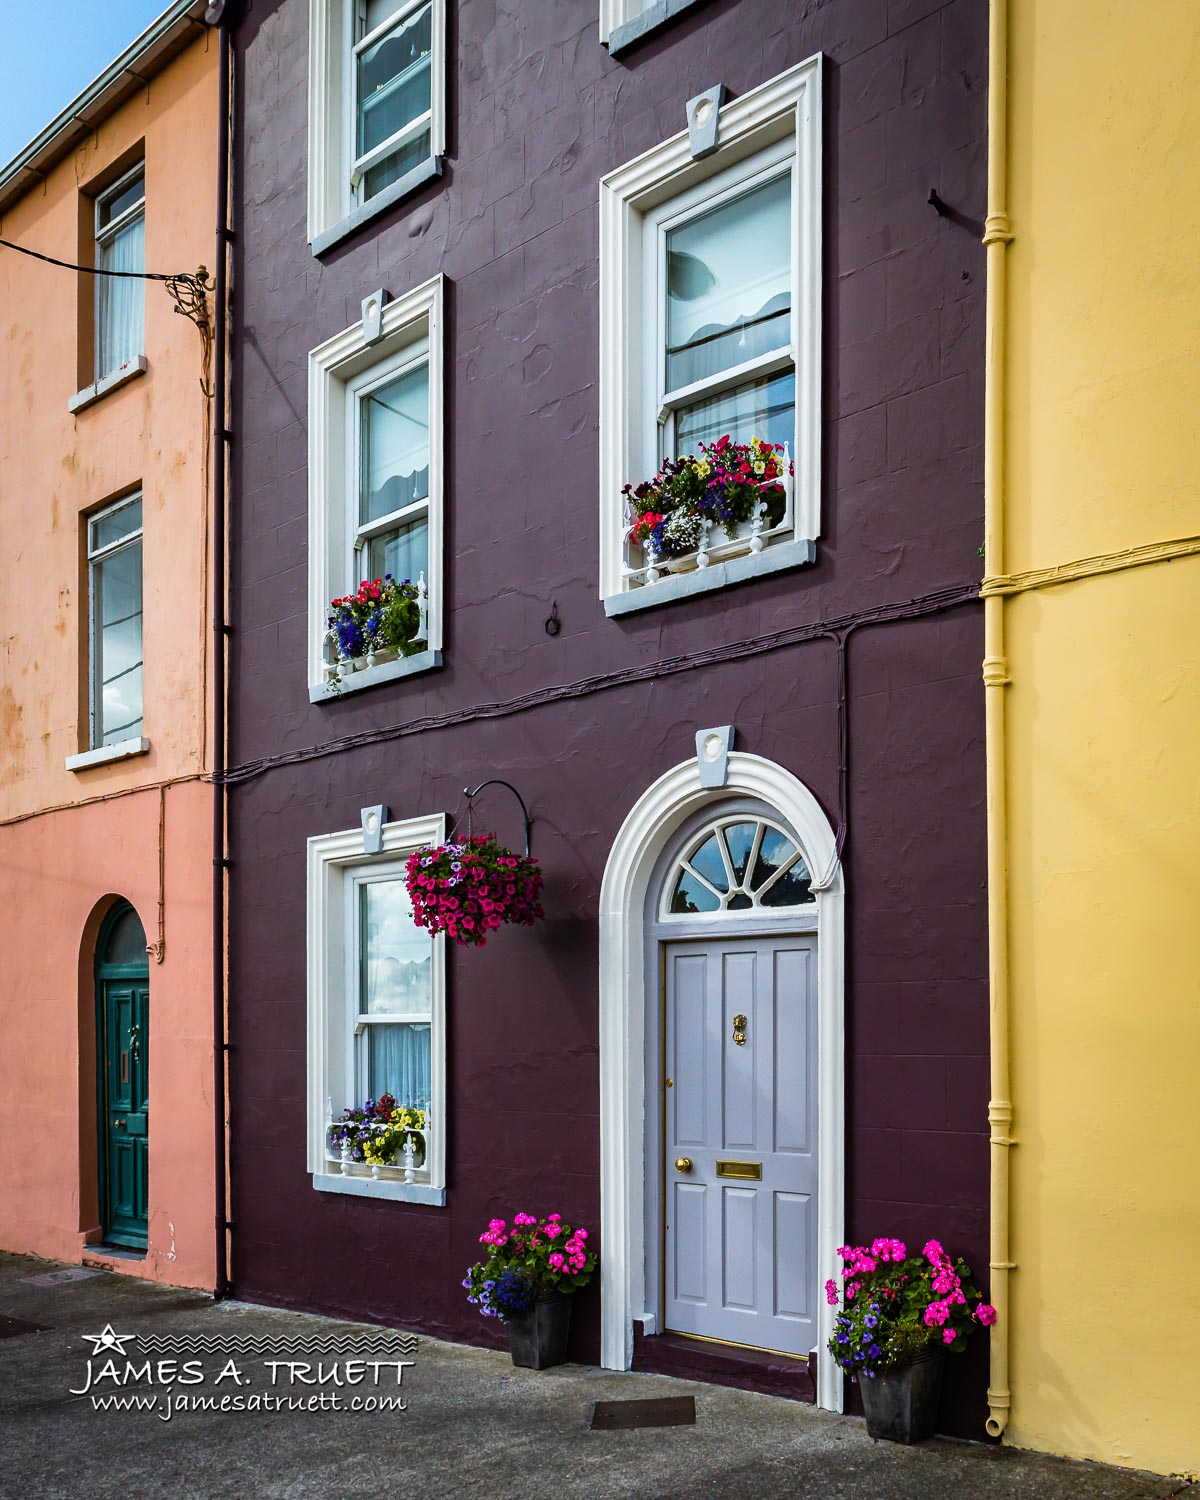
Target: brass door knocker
{"x":739,"y":1030}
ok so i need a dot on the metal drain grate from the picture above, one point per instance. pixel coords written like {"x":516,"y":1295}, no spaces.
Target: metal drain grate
{"x":13,"y":1328}
{"x":659,"y":1411}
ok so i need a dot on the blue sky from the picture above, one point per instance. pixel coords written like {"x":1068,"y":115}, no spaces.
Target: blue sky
{"x":52,"y":51}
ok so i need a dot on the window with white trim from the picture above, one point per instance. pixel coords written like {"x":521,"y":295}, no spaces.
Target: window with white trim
{"x":710,"y":327}
{"x":376,"y":107}
{"x":376,"y":1012}
{"x":120,"y":246}
{"x":114,"y":559}
{"x":375,"y":488}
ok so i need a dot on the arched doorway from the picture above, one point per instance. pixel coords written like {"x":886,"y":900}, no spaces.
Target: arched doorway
{"x":123,"y":1076}
{"x":722,"y":904}
{"x":731,"y":1140}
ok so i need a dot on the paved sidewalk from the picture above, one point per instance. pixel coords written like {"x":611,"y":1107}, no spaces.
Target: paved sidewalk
{"x":474,"y":1425}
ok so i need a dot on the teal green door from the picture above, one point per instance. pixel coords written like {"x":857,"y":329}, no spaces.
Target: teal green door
{"x":123,"y":1055}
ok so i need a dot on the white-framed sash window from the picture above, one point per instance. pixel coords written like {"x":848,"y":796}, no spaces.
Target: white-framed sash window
{"x":114,"y":561}
{"x":376,"y":107}
{"x":387,"y":481}
{"x":391,"y":92}
{"x":120,"y":246}
{"x":376,"y":1010}
{"x":710,"y":298}
{"x":375,"y":478}
{"x":721,"y":277}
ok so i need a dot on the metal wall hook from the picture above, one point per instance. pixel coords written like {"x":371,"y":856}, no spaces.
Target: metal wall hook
{"x":496,"y":781}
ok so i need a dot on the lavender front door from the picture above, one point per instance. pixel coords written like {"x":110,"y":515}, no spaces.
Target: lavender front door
{"x":740,"y":1141}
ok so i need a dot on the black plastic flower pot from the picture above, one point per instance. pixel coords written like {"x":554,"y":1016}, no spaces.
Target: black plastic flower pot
{"x":538,"y":1339}
{"x":902,"y":1406}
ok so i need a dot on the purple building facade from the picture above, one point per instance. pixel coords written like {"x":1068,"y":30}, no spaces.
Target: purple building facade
{"x":488,"y":270}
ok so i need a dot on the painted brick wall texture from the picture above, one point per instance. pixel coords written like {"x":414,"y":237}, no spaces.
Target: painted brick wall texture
{"x":537,"y":111}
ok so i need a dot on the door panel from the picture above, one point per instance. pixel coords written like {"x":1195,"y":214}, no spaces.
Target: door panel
{"x":793,"y":1281}
{"x":691,"y":1204}
{"x":124,"y":1111}
{"x":738,"y":1250}
{"x":740,"y":1050}
{"x":737,"y":999}
{"x":795,"y":1109}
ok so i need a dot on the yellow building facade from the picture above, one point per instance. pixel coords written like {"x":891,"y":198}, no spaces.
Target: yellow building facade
{"x":1094,"y":581}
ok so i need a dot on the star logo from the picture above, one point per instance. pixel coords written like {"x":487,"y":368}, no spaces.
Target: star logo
{"x":108,"y":1340}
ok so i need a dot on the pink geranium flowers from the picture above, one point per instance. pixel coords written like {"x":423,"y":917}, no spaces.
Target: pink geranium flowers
{"x":468,"y":889}
{"x":526,"y":1263}
{"x":894,"y":1304}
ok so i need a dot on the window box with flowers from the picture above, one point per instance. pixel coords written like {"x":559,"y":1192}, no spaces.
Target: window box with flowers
{"x":382,"y":1140}
{"x":382,"y":621}
{"x":726,"y":503}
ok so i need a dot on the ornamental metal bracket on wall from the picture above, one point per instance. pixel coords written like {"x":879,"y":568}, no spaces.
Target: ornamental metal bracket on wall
{"x":470,"y":795}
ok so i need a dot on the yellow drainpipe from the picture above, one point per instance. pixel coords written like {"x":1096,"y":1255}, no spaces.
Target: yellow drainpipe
{"x":996,"y":238}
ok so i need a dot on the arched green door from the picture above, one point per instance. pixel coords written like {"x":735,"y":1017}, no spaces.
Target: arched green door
{"x":123,"y":1084}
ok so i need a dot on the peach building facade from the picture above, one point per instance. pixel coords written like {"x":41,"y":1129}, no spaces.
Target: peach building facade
{"x":106,"y":674}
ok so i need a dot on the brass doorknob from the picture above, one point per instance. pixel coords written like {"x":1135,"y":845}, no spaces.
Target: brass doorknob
{"x":683,"y":1163}
{"x":118,"y":1124}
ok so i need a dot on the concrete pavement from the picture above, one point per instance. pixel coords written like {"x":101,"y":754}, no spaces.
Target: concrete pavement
{"x":472,"y":1424}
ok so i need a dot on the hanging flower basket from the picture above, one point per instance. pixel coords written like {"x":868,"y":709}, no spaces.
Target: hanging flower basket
{"x":467,"y":889}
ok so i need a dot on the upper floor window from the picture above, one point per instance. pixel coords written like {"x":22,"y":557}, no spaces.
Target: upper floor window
{"x":114,"y":553}
{"x":710,"y":329}
{"x":376,"y":107}
{"x":375,"y":497}
{"x":120,"y":246}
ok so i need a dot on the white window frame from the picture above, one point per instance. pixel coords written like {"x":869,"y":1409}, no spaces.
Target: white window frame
{"x":341,"y":370}
{"x":104,"y":234}
{"x":119,"y":749}
{"x":778,"y":122}
{"x":659,"y":436}
{"x":337,"y":863}
{"x":335,"y":206}
{"x":623,"y":22}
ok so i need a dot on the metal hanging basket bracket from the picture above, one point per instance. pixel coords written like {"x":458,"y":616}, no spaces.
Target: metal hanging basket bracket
{"x":470,"y":795}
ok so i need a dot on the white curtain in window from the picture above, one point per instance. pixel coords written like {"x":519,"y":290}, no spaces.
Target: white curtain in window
{"x":119,"y":300}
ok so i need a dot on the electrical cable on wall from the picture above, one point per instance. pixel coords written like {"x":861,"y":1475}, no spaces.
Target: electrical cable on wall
{"x":68,"y":265}
{"x":189,"y":291}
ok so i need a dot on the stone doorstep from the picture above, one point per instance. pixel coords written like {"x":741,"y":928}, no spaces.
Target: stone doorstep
{"x":757,"y":1370}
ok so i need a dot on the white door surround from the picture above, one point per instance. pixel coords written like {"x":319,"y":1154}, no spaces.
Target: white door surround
{"x":651,"y":825}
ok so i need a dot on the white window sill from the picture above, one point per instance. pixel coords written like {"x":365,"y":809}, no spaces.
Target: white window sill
{"x":656,"y":14}
{"x":122,"y":375}
{"x":390,"y":671}
{"x":422,"y":173}
{"x":780,"y":558}
{"x":106,"y":754}
{"x":373,"y":1187}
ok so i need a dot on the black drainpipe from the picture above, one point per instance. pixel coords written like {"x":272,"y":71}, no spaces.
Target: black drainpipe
{"x":221,"y":438}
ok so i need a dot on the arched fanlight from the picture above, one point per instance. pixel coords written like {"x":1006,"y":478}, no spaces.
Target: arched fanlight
{"x":739,"y":864}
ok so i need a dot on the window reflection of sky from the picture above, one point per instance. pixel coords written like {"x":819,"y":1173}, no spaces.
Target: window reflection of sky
{"x":394,"y":953}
